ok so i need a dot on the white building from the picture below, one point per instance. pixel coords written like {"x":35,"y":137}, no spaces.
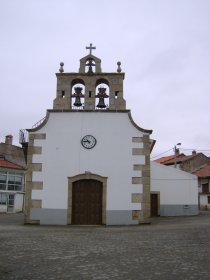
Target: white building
{"x":88,"y":162}
{"x":173,"y":192}
{"x":11,"y":186}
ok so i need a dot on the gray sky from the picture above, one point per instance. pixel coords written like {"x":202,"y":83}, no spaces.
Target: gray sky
{"x":164,"y":48}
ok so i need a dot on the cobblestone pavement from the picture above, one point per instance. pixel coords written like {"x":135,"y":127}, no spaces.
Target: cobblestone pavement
{"x":169,"y":248}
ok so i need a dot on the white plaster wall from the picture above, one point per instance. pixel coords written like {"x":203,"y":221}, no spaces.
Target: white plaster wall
{"x":64,"y":156}
{"x":3,"y":208}
{"x":175,"y":185}
{"x":203,"y":200}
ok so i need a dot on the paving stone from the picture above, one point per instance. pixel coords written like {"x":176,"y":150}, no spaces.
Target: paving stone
{"x":169,"y":248}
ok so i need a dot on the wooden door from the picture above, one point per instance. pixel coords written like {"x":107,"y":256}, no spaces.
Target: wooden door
{"x":154,"y":204}
{"x":87,"y":202}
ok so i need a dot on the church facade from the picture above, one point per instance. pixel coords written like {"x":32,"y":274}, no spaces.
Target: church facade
{"x":88,"y":161}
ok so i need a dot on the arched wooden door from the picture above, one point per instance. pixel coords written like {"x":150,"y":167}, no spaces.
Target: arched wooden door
{"x":87,"y":202}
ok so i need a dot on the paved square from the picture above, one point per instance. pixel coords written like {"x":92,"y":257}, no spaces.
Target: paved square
{"x":169,"y":248}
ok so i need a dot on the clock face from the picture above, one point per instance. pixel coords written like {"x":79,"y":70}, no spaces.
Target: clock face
{"x":88,"y":141}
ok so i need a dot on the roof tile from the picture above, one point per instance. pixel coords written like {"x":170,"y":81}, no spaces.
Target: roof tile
{"x":203,"y":171}
{"x":7,"y":164}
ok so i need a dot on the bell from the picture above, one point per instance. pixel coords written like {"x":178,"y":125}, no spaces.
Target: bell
{"x":101,"y":95}
{"x":77,"y":102}
{"x":78,"y":94}
{"x":101,"y":103}
{"x":90,"y":64}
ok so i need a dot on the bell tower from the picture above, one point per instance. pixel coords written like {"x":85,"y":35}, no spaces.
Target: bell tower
{"x":90,"y":89}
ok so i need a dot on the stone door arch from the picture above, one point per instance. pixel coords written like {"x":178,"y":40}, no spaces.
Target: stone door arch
{"x":85,"y":193}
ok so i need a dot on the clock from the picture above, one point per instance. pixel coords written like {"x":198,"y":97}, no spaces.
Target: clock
{"x":88,"y":141}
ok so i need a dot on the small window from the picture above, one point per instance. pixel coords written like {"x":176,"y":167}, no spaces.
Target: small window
{"x":3,"y":199}
{"x":63,"y":93}
{"x":205,"y":188}
{"x":11,"y":200}
{"x":209,"y":199}
{"x":11,"y":187}
{"x":2,"y":186}
{"x":15,"y":183}
{"x":89,"y":93}
{"x":3,"y":178}
{"x":11,"y":179}
{"x":3,"y":181}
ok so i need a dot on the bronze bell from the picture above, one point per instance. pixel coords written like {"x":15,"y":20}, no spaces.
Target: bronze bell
{"x":101,"y":103}
{"x":101,"y":95}
{"x":78,"y":94}
{"x":77,"y":102}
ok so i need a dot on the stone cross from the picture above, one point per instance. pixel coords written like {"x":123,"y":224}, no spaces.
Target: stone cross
{"x":90,"y":48}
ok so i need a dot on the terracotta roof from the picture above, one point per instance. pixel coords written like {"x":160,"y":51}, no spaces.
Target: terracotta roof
{"x":203,"y":171}
{"x":171,"y":159}
{"x":164,"y":159}
{"x":180,"y":158}
{"x":7,"y":164}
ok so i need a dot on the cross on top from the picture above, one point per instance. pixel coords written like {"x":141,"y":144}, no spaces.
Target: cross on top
{"x":91,"y":48}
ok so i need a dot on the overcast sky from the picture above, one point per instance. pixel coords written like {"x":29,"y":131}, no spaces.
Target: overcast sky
{"x":164,"y":48}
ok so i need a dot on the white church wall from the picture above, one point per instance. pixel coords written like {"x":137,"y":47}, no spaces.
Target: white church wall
{"x":63,"y":156}
{"x":178,"y":190}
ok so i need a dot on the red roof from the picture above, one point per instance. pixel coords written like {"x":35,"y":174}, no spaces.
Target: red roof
{"x":164,"y":159}
{"x":7,"y":164}
{"x":180,"y":158}
{"x":203,"y":171}
{"x":172,"y":159}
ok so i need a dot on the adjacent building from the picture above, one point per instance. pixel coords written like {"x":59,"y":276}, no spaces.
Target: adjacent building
{"x":203,"y":174}
{"x":12,"y":177}
{"x":197,"y":164}
{"x":173,"y":192}
{"x":11,"y":186}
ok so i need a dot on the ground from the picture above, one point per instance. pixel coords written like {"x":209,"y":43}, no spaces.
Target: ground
{"x":169,"y":248}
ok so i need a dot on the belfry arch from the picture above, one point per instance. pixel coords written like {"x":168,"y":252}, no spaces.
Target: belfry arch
{"x":77,"y":94}
{"x":90,"y":66}
{"x":102,"y":94}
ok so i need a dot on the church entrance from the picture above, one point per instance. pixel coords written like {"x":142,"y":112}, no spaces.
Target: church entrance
{"x":87,"y":202}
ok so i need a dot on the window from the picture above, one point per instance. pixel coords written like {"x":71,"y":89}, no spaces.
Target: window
{"x":205,"y":188}
{"x":209,"y":199}
{"x":3,"y":181}
{"x":3,"y":198}
{"x":11,"y":200}
{"x":11,"y":181}
{"x":15,"y":183}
